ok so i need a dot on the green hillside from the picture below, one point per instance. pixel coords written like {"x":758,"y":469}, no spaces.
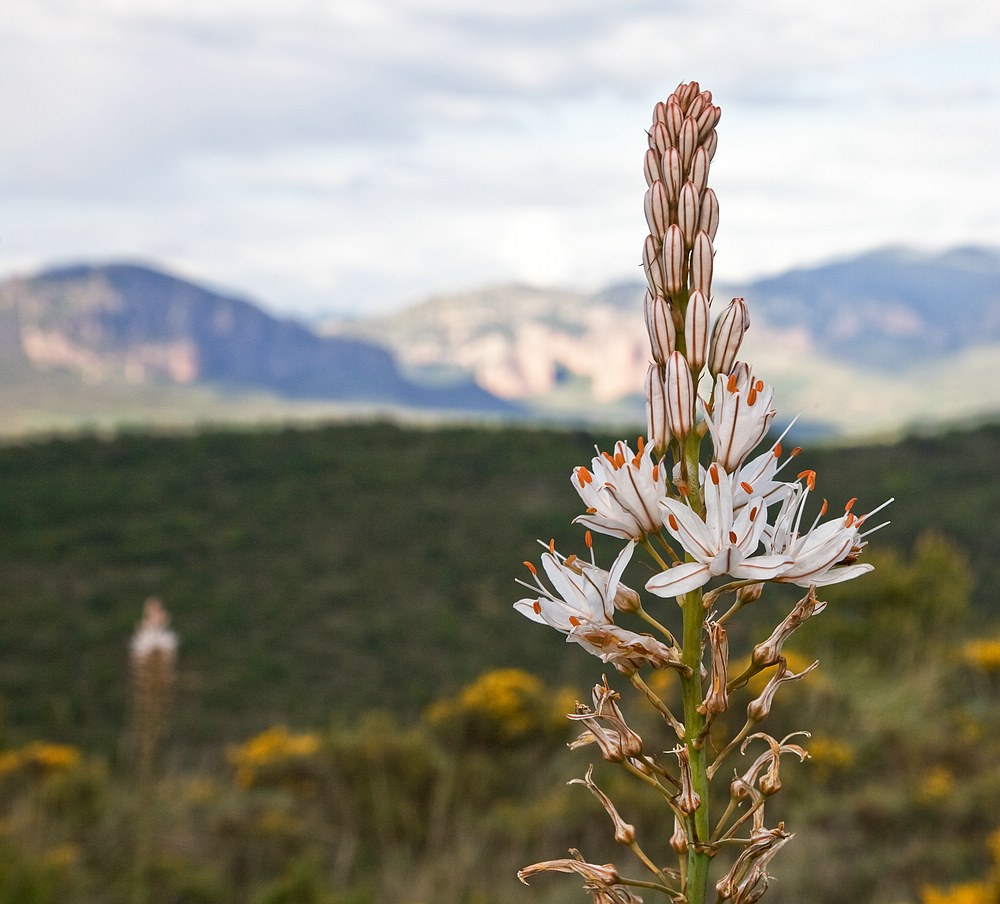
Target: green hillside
{"x":332,"y":571}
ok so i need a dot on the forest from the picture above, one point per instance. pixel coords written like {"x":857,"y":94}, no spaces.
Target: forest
{"x":357,"y":715}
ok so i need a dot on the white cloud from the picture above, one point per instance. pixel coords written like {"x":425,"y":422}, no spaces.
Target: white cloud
{"x":331,"y":154}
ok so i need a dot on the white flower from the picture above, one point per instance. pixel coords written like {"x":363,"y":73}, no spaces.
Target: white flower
{"x":740,"y":417}
{"x":825,"y":553}
{"x":582,"y":593}
{"x":724,"y":543}
{"x":622,"y":494}
{"x":153,"y":636}
{"x":626,"y":650}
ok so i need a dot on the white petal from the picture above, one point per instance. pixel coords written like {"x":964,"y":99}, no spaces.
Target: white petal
{"x":679,"y":580}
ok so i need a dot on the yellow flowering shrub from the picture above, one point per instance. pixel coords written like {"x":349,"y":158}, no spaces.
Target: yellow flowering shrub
{"x":938,"y":783}
{"x":40,"y":757}
{"x":271,"y":751}
{"x":967,"y":893}
{"x":983,"y":654}
{"x":504,"y":706}
{"x":830,"y":753}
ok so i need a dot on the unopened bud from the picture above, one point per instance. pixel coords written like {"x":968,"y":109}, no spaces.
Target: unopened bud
{"x":660,"y":112}
{"x":708,"y":119}
{"x":651,"y":166}
{"x":710,"y":143}
{"x":675,"y":117}
{"x":708,"y":215}
{"x":657,"y":429}
{"x":701,"y":264}
{"x":658,"y":137}
{"x":657,"y":209}
{"x":679,"y":389}
{"x":727,"y":337}
{"x":670,"y":166}
{"x":749,"y":594}
{"x":653,"y":265}
{"x":660,"y":326}
{"x":699,"y":169}
{"x":687,"y":141}
{"x":674,"y":257}
{"x":627,"y":600}
{"x":688,"y":209}
{"x":696,"y":331}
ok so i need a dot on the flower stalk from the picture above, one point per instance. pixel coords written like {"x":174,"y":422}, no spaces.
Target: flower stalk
{"x":716,"y":525}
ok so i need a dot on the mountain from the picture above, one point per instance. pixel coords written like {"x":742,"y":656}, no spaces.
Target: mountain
{"x":883,"y":340}
{"x":125,"y":325}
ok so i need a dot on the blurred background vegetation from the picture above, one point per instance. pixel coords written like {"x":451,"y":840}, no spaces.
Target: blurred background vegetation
{"x":359,"y":716}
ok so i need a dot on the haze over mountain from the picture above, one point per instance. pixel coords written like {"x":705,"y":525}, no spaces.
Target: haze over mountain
{"x":887,"y":338}
{"x":879,"y":341}
{"x":121,"y":325}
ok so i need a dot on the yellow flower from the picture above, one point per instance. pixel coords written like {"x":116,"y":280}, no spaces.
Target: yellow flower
{"x":968,"y":893}
{"x":939,"y":782}
{"x":830,"y":753}
{"x":983,"y":654}
{"x":275,"y":746}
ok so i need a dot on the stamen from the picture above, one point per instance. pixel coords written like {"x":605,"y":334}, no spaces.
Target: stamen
{"x":809,"y":477}
{"x":672,"y":521}
{"x":850,"y":504}
{"x":753,"y":513}
{"x":531,"y":568}
{"x":552,"y":546}
{"x":777,"y":450}
{"x":574,"y":621}
{"x":584,"y":476}
{"x":732,"y":385}
{"x":714,"y":473}
{"x":570,"y":559}
{"x":752,"y":395}
{"x":733,"y":538}
{"x":746,"y":487}
{"x":588,"y":538}
{"x":537,"y":606}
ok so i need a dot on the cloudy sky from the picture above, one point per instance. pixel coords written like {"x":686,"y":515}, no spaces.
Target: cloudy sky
{"x":358,"y":155}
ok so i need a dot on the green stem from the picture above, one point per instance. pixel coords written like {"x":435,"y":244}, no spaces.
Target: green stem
{"x":694,"y":723}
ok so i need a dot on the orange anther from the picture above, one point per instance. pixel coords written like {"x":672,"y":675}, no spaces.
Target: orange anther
{"x":733,"y":538}
{"x":588,"y":538}
{"x":537,"y":606}
{"x":809,"y":477}
{"x":759,"y":386}
{"x":823,"y":508}
{"x":641,"y":445}
{"x":570,"y":559}
{"x":531,"y":568}
{"x":656,"y":472}
{"x":746,"y":487}
{"x":672,"y":521}
{"x":850,"y":504}
{"x":752,"y":395}
{"x":619,"y":459}
{"x":753,"y":513}
{"x":574,"y":621}
{"x":713,"y":472}
{"x":777,"y":450}
{"x":795,"y":451}
{"x":731,"y":385}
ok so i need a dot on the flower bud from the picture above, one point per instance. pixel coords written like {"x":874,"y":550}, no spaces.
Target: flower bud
{"x":699,"y":169}
{"x":657,"y":209}
{"x":660,"y":326}
{"x":657,"y":429}
{"x":727,"y":337}
{"x":658,"y":137}
{"x":653,"y":265}
{"x":674,"y":258}
{"x":708,"y":215}
{"x":670,"y":165}
{"x":701,"y":264}
{"x":679,"y":389}
{"x":674,"y":119}
{"x":687,"y":141}
{"x":696,"y":331}
{"x":688,"y":209}
{"x":687,"y":799}
{"x":651,"y":166}
{"x":707,"y":119}
{"x":711,"y":143}
{"x":660,"y":112}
